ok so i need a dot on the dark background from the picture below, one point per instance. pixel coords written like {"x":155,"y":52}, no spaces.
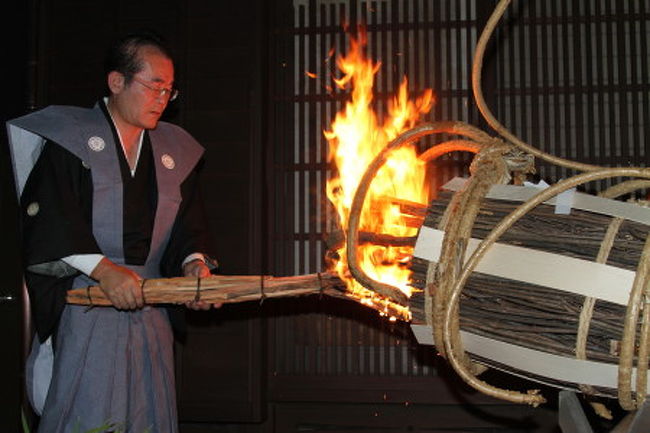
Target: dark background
{"x":310,"y":364}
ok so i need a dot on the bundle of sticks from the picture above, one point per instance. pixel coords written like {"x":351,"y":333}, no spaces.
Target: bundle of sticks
{"x":533,"y":316}
{"x":228,"y":289}
{"x":220,"y":289}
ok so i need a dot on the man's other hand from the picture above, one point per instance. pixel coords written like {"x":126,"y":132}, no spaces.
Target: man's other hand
{"x":197,"y":268}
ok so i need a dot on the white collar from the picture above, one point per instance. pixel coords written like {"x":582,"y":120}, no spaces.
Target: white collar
{"x":137,"y":157}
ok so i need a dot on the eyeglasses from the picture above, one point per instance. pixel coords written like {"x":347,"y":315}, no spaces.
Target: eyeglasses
{"x":161,"y":92}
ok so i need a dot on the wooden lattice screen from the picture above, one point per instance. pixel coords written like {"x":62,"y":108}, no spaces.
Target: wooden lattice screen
{"x":573,"y":79}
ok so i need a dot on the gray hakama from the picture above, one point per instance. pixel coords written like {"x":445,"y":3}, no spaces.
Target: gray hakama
{"x":112,"y":366}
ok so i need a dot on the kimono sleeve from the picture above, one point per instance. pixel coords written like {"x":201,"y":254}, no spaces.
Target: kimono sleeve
{"x":56,"y":210}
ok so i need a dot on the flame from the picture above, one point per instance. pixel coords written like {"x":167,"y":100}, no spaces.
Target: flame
{"x":355,"y":138}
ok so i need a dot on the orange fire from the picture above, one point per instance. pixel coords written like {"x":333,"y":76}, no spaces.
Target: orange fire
{"x":355,"y":138}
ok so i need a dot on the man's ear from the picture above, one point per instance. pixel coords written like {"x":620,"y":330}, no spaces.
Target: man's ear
{"x":115,"y":82}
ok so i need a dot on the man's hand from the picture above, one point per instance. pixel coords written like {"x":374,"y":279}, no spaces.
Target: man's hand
{"x":197,"y":268}
{"x":121,"y":285}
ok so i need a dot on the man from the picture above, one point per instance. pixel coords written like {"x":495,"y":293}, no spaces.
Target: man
{"x":112,"y":199}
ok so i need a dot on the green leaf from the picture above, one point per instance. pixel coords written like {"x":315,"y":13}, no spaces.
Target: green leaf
{"x":23,"y":419}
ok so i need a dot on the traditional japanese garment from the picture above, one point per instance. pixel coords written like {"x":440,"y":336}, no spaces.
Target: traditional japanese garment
{"x":109,"y":366}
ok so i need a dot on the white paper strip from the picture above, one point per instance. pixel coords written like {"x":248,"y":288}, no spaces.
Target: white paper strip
{"x":568,"y":274}
{"x":538,"y":363}
{"x":605,"y":206}
{"x":564,"y":202}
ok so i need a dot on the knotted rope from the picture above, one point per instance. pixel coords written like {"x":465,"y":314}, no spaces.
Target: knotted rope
{"x":640,"y":286}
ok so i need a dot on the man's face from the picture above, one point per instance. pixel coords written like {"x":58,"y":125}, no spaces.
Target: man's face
{"x":141,"y":102}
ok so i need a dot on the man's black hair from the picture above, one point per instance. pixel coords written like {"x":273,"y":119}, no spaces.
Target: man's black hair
{"x":123,"y":55}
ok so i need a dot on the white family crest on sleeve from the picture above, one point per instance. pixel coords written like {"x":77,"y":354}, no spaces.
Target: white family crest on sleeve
{"x":33,"y":209}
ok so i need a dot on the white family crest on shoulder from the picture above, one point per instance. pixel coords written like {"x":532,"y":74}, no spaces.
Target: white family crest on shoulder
{"x":167,"y":161}
{"x":96,"y":143}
